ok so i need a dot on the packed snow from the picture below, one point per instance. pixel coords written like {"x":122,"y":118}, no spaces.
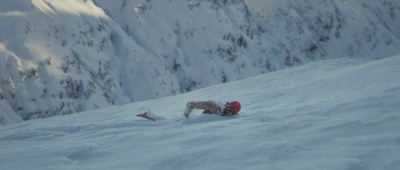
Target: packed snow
{"x":333,"y":114}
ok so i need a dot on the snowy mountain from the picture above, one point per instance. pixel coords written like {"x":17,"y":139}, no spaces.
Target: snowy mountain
{"x":64,"y":56}
{"x":333,"y":114}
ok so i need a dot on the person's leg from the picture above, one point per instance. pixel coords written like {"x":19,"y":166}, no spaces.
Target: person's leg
{"x":146,"y":116}
{"x":189,"y":108}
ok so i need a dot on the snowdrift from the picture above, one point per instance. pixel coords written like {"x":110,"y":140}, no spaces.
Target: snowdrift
{"x":334,"y":114}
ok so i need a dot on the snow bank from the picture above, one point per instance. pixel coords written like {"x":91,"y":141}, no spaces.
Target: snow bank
{"x":334,"y":114}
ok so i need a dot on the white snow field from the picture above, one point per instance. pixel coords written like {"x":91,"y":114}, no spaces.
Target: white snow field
{"x":62,"y":57}
{"x":333,"y":114}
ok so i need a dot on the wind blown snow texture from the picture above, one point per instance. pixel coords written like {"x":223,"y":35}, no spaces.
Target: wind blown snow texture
{"x":62,"y":57}
{"x":333,"y":114}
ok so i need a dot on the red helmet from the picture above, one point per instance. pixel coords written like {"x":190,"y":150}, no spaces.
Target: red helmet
{"x":235,"y":107}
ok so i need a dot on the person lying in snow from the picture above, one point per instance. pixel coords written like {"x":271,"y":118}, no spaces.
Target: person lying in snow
{"x":208,"y":107}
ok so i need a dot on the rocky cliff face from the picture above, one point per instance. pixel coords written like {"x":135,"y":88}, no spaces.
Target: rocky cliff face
{"x":326,"y":29}
{"x":63,"y":57}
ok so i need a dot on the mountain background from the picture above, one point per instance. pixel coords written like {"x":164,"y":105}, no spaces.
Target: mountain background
{"x":62,"y":57}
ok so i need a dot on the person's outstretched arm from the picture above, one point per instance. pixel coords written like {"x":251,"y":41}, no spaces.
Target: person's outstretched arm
{"x":209,"y":107}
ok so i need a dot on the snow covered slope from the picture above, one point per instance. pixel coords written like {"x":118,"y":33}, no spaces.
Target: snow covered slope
{"x":60,"y":57}
{"x":333,"y":114}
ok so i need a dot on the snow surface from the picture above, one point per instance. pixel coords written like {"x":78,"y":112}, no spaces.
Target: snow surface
{"x":61,"y":57}
{"x":333,"y":114}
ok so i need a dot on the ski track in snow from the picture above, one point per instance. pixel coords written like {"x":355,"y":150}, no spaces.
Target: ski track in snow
{"x":333,"y":114}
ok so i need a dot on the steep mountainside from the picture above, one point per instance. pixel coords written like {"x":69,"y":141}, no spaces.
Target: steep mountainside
{"x":328,"y":115}
{"x":61,"y":57}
